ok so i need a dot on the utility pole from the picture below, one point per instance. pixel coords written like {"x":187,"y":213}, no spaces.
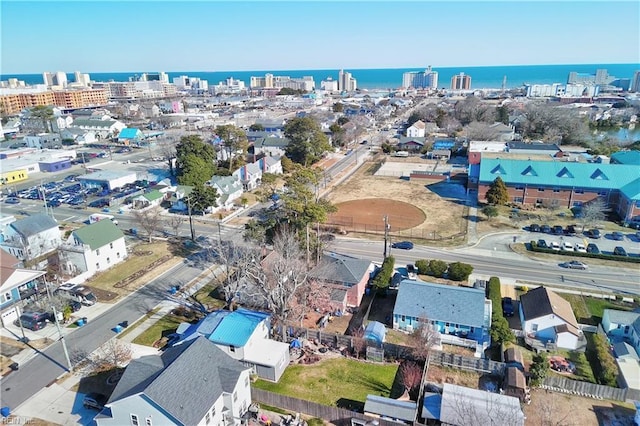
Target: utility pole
{"x":386,"y":234}
{"x":64,"y":344}
{"x":193,"y":232}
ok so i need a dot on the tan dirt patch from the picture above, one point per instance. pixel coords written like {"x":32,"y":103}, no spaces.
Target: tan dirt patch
{"x":370,"y":211}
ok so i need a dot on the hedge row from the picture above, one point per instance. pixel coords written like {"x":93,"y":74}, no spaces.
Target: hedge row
{"x":534,"y":247}
{"x":455,"y":271}
{"x":608,"y":371}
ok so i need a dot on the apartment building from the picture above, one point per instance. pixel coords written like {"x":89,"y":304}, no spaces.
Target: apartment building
{"x":270,"y":81}
{"x":461,"y":82}
{"x":14,"y":103}
{"x":346,"y":82}
{"x":427,"y":79}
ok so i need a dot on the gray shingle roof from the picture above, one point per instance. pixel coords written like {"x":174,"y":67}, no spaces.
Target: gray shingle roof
{"x":541,"y":301}
{"x":338,"y":268}
{"x":457,"y":305}
{"x":621,"y":317}
{"x":185,"y":380}
{"x":33,"y":225}
{"x":387,"y":407}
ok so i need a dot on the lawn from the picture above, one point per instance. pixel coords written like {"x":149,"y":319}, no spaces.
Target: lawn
{"x":208,"y":296}
{"x":331,"y":380}
{"x":164,"y":326}
{"x":588,"y":310}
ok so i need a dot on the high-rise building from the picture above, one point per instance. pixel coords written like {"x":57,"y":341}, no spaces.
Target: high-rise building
{"x":461,"y":82}
{"x":346,"y":82}
{"x":635,"y":82}
{"x":601,"y":77}
{"x":427,"y":79}
{"x":82,"y":79}
{"x":59,"y":78}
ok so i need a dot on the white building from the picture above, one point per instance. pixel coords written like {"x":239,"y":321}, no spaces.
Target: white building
{"x":93,"y":248}
{"x":346,"y":82}
{"x":427,"y":79}
{"x":416,"y":130}
{"x":229,"y":189}
{"x":190,"y":384}
{"x":229,"y":86}
{"x":330,"y":85}
{"x":32,"y":237}
{"x":43,"y":141}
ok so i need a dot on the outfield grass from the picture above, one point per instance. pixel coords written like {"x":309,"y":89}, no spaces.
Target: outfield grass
{"x":165,"y":325}
{"x":333,"y":379}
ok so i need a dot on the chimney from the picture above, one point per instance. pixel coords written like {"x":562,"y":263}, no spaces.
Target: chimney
{"x":246,"y":176}
{"x":264,"y":164}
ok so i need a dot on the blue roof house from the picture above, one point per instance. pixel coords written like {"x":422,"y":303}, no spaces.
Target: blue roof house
{"x":130,"y":136}
{"x":243,"y":335}
{"x":458,"y":313}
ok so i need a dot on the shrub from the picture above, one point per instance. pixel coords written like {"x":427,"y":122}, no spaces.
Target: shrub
{"x":459,"y":271}
{"x":539,"y":368}
{"x":383,"y":278}
{"x":608,"y":370}
{"x":490,"y":211}
{"x":493,"y":293}
{"x":500,"y":331}
{"x":423,"y":266}
{"x":438,"y":268}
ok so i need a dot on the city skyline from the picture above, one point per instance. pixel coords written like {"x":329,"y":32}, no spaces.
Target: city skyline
{"x":324,"y":35}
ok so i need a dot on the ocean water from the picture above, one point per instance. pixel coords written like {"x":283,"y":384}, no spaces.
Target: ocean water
{"x":481,"y":77}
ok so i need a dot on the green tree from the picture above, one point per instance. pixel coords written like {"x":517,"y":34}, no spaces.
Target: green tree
{"x":423,"y":266}
{"x":301,"y":204}
{"x":268,"y":186}
{"x":490,"y":211}
{"x":235,"y":140}
{"x":438,"y":268}
{"x":497,"y":193}
{"x":195,"y":161}
{"x":383,"y":278}
{"x":502,"y":114}
{"x":202,"y":197}
{"x":500,"y":331}
{"x":45,"y":114}
{"x":342,"y":120}
{"x":338,"y":107}
{"x":539,"y":368}
{"x":460,"y":271}
{"x":307,"y":142}
{"x":256,"y":127}
{"x":287,"y":164}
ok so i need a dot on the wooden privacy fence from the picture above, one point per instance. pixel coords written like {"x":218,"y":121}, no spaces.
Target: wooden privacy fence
{"x":335,"y":415}
{"x":466,"y":363}
{"x":589,"y":390}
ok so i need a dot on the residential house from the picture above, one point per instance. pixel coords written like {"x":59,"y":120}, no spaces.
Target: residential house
{"x":416,"y":130}
{"x":622,"y":326}
{"x":16,"y":284}
{"x":250,"y":175}
{"x":348,"y":277}
{"x":564,"y":184}
{"x":103,"y":128}
{"x":93,"y":248}
{"x":190,"y":384}
{"x":229,"y":189}
{"x":78,"y":136}
{"x":271,"y":165}
{"x":177,"y":198}
{"x":548,"y":320}
{"x":411,"y":144}
{"x":43,"y":141}
{"x":451,"y":310}
{"x":503,"y":132}
{"x":271,"y":125}
{"x":254,"y":135}
{"x":459,"y":405}
{"x":242,"y":335}
{"x":150,"y":199}
{"x":130,"y":136}
{"x":32,"y":237}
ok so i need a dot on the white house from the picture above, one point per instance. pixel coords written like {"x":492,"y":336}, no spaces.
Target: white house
{"x":32,"y":237}
{"x":150,"y":199}
{"x":43,"y":141}
{"x":622,"y":326}
{"x":548,"y":318}
{"x":16,"y":285}
{"x":79,"y":136}
{"x":190,"y":384}
{"x":416,"y":130}
{"x":242,"y":335}
{"x":103,"y":128}
{"x":270,"y":146}
{"x":93,"y":248}
{"x":229,"y":189}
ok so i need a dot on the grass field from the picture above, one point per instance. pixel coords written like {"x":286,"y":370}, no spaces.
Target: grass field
{"x":331,"y":380}
{"x":165,"y":325}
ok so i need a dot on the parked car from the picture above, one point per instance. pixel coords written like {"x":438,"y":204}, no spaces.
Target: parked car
{"x":534,"y":227}
{"x":94,"y":400}
{"x":619,"y":251}
{"x":507,"y":307}
{"x":574,"y":264}
{"x":579,"y":247}
{"x":592,"y":248}
{"x":570,"y":230}
{"x":404,"y":245}
{"x":412,"y":272}
{"x":546,"y":229}
{"x":12,"y":200}
{"x":558,"y":230}
{"x":593,"y":233}
{"x":618,"y":236}
{"x":542,"y":244}
{"x":33,"y":321}
{"x":553,"y":245}
{"x":567,"y":246}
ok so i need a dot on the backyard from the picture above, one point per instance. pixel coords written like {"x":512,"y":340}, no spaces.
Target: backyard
{"x":588,"y":310}
{"x":337,"y":382}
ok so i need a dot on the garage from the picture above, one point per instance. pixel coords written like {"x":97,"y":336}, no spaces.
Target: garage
{"x":8,"y":316}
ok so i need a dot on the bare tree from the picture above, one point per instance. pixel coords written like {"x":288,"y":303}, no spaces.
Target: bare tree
{"x":315,"y":295}
{"x":149,"y":219}
{"x":594,"y":212}
{"x":460,"y":410}
{"x":477,"y":131}
{"x":411,"y":375}
{"x":551,"y":413}
{"x":113,"y":354}
{"x":423,"y":339}
{"x":237,"y":261}
{"x":175,"y":222}
{"x":279,"y":276}
{"x":359,"y":342}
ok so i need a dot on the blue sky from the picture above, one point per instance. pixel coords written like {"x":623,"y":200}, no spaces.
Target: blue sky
{"x":274,"y":35}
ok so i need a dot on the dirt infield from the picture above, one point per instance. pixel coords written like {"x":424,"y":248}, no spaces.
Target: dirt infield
{"x":371,"y":211}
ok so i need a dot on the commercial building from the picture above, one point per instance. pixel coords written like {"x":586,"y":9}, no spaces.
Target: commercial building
{"x":13,"y":103}
{"x":58,"y":78}
{"x":461,"y":82}
{"x":270,"y":81}
{"x":635,"y":82}
{"x":427,"y":79}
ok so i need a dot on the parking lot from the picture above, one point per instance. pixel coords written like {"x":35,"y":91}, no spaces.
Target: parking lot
{"x":564,"y":239}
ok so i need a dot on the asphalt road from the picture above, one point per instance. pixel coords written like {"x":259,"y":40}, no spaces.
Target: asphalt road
{"x":41,"y":370}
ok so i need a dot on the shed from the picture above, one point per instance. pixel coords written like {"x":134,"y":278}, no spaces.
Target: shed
{"x":387,"y":408}
{"x":376,"y":332}
{"x":515,"y":384}
{"x":513,"y":358}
